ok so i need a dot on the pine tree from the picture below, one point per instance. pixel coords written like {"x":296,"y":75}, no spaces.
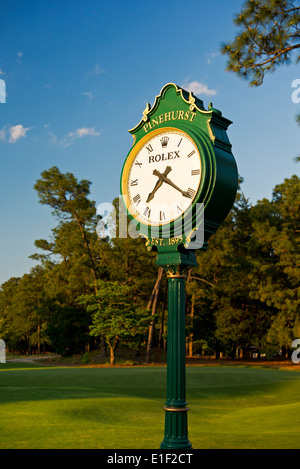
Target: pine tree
{"x":269,"y":36}
{"x":276,"y":276}
{"x":76,"y":214}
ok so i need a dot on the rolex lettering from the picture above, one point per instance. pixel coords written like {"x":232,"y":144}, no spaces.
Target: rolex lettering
{"x":164,"y":157}
{"x":162,"y":176}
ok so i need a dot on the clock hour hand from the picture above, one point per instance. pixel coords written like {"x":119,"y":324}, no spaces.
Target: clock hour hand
{"x":158,"y":184}
{"x":163,"y":178}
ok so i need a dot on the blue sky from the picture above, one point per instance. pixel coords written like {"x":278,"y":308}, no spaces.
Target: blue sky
{"x":78,"y":75}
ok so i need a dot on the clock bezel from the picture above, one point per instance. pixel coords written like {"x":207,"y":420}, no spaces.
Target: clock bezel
{"x":187,"y":217}
{"x":131,"y":158}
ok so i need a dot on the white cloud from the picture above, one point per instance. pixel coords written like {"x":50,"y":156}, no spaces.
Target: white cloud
{"x":20,"y":54}
{"x":16,"y":132}
{"x":211,"y":56}
{"x":199,"y":88}
{"x":53,"y":138}
{"x":79,"y":133}
{"x":98,"y":70}
{"x":87,"y":93}
{"x":72,"y":136}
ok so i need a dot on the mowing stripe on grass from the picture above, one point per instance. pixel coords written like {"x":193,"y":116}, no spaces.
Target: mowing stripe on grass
{"x":120,"y":408}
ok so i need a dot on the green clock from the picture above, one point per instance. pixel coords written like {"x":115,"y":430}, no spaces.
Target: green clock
{"x":179,"y":173}
{"x":179,"y":178}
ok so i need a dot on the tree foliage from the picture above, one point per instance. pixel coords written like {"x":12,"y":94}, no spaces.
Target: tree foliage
{"x":269,"y":36}
{"x":244,"y":293}
{"x":116,"y":316}
{"x":277,"y":278}
{"x":76,"y":214}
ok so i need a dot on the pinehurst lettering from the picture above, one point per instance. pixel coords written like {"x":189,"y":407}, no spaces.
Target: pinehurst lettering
{"x":169,"y":116}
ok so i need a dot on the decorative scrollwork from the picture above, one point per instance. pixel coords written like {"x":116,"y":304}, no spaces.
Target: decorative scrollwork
{"x":176,"y":270}
{"x":146,"y":112}
{"x":191,"y":101}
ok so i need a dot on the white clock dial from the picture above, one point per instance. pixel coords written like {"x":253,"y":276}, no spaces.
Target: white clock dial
{"x":163,"y":177}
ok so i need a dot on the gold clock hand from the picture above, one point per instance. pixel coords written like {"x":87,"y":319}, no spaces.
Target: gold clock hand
{"x":163,"y":178}
{"x":158,"y":184}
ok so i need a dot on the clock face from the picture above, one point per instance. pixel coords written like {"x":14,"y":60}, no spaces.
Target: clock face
{"x":162,"y":176}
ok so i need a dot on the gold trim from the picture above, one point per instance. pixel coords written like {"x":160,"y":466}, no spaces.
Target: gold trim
{"x":176,"y":276}
{"x":146,"y":112}
{"x":188,"y":239}
{"x":176,"y":271}
{"x":191,"y":101}
{"x":177,"y":409}
{"x":147,"y":244}
{"x":211,"y":134}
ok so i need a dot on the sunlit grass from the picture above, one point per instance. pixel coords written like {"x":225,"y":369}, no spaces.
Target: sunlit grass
{"x":230,"y":407}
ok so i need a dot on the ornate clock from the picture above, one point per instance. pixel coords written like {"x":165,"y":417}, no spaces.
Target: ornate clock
{"x":180,"y":166}
{"x":180,"y":175}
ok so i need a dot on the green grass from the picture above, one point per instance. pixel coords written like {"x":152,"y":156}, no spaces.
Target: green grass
{"x":120,"y":408}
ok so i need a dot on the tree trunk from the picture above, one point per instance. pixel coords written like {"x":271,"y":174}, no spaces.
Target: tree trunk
{"x":102,"y":353}
{"x":112,"y":356}
{"x":39,"y":341}
{"x":112,"y":349}
{"x":89,"y":253}
{"x":153,"y":303}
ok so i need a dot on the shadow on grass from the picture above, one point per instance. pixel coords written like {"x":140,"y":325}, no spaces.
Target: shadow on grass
{"x":30,"y":382}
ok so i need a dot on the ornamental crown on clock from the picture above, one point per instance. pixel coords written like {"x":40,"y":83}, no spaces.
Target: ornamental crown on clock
{"x":163,"y":176}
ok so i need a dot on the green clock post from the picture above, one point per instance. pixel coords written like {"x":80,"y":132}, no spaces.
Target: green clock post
{"x":178,"y":184}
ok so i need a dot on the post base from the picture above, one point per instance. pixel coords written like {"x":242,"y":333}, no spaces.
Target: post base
{"x":176,"y":429}
{"x":175,"y":444}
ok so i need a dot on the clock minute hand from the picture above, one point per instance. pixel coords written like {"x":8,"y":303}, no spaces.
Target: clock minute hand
{"x":165,"y":179}
{"x":158,"y":184}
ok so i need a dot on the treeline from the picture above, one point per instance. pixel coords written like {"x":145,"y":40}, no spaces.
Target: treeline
{"x":89,"y":293}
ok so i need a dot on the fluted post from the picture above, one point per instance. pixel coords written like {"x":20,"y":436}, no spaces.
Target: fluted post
{"x":176,"y":427}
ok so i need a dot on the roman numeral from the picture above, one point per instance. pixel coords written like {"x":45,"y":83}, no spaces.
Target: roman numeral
{"x":149,"y":148}
{"x":147,"y":212}
{"x":191,"y":154}
{"x":136,"y":199}
{"x":162,"y":216}
{"x":179,"y":209}
{"x":134,"y":182}
{"x":179,"y":142}
{"x":139,"y":164}
{"x":191,"y":192}
{"x":195,"y":172}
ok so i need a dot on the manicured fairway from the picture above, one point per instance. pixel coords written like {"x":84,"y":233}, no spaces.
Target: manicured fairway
{"x":230,"y":407}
